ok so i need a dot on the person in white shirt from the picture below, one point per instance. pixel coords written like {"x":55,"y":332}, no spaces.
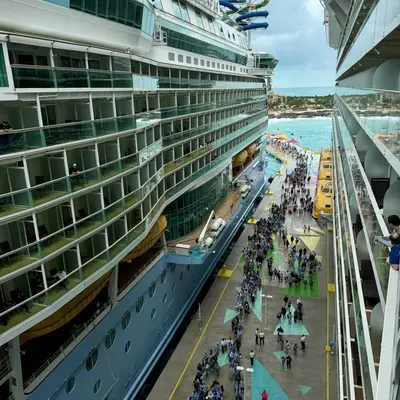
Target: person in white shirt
{"x":252,"y":355}
{"x":303,"y":342}
{"x":262,"y":337}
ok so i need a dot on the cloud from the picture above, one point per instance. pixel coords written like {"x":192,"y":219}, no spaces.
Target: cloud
{"x":296,"y":37}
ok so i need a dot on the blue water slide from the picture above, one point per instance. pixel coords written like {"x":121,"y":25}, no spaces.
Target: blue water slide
{"x":252,"y":14}
{"x":256,"y":25}
{"x":228,"y":4}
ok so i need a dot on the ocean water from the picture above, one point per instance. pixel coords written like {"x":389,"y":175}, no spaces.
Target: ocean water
{"x":314,"y":133}
{"x":305,"y":91}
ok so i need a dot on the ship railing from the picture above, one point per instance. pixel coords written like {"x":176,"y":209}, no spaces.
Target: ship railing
{"x":139,"y":271}
{"x":77,"y":335}
{"x":11,"y":397}
{"x":5,"y":366}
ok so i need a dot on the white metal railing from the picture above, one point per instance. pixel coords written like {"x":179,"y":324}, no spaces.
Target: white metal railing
{"x":364,"y":337}
{"x":346,"y":323}
{"x":5,"y":366}
{"x":77,"y":336}
{"x":338,"y":341}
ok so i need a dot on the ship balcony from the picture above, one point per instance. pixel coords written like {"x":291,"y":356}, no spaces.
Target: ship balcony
{"x":56,"y":229}
{"x":383,"y":129}
{"x":44,"y":195}
{"x":19,"y":140}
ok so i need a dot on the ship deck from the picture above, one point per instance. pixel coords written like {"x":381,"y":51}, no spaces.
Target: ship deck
{"x":313,"y":372}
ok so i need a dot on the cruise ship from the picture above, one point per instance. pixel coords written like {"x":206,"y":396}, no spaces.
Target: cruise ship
{"x":125,"y":125}
{"x":366,"y":180}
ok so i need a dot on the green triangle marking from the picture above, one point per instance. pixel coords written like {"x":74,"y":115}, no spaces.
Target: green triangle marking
{"x":278,"y":355}
{"x":223,"y":359}
{"x":291,"y":329}
{"x":257,"y":308}
{"x":230,"y":314}
{"x":261,"y":380}
{"x":305,"y":389}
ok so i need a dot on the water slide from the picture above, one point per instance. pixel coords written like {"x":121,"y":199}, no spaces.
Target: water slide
{"x":252,"y":14}
{"x":247,"y":6}
{"x":229,"y":5}
{"x":256,"y":25}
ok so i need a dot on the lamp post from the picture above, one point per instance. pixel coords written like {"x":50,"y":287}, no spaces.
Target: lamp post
{"x":265,"y":297}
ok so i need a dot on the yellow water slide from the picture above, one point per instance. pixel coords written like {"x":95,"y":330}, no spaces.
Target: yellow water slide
{"x":149,"y":241}
{"x":66,"y":313}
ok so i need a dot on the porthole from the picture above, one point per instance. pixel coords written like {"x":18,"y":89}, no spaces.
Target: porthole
{"x":97,"y":386}
{"x":70,"y":385}
{"x":152,"y":289}
{"x":164,"y":276}
{"x":181,"y":276}
{"x":165,"y":297}
{"x":153,"y":313}
{"x":126,"y":319}
{"x":110,"y":338}
{"x":91,"y":360}
{"x":174,"y":286}
{"x":127,"y":346}
{"x":139,"y":304}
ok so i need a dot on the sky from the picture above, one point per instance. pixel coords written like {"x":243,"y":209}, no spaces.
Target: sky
{"x":296,"y":37}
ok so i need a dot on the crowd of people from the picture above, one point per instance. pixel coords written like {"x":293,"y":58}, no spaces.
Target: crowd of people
{"x":295,"y":198}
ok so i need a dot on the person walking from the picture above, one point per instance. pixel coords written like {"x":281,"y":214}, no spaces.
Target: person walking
{"x":257,"y":334}
{"x":252,"y":355}
{"x":288,"y":362}
{"x":303,"y":342}
{"x":289,"y":317}
{"x":287,"y":347}
{"x":264,"y":395}
{"x":262,"y":337}
{"x":286,"y":299}
{"x":295,"y":347}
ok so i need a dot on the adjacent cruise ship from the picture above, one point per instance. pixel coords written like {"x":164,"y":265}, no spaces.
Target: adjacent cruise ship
{"x":123,"y":124}
{"x":366,"y":160}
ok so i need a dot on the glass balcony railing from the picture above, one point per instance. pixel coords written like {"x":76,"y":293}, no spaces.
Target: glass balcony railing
{"x":378,"y":112}
{"x":217,"y":143}
{"x":372,"y":220}
{"x":37,"y":77}
{"x":41,"y":194}
{"x":178,"y":137}
{"x":50,"y":243}
{"x":31,"y":138}
{"x":363,"y":339}
{"x":190,"y":109}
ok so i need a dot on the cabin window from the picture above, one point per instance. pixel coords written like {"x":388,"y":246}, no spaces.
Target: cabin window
{"x":152,"y":289}
{"x":91,"y":360}
{"x":110,"y":338}
{"x":181,"y":276}
{"x":139,"y":304}
{"x":127,"y":346}
{"x":164,"y":276}
{"x":126,"y":319}
{"x":153,"y":313}
{"x":199,"y":20}
{"x":165,"y":298}
{"x":97,"y":386}
{"x":174,"y":286}
{"x":70,"y":385}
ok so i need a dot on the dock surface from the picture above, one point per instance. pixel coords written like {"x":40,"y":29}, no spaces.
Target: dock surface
{"x":313,"y":372}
